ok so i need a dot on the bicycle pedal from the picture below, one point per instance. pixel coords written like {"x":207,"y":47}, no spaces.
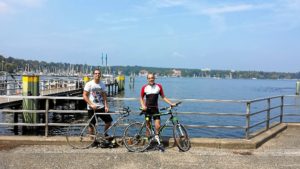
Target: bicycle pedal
{"x":161,"y":148}
{"x":95,"y":144}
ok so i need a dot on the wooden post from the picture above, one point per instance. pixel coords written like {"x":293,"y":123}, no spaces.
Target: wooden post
{"x":297,"y":87}
{"x":108,"y":90}
{"x":86,"y":79}
{"x":30,"y":88}
{"x":16,"y":120}
{"x":121,"y":82}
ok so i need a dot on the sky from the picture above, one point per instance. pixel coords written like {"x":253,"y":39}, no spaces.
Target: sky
{"x":248,"y":35}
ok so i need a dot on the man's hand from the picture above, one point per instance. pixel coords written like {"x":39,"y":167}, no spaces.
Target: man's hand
{"x":144,"y":107}
{"x":173,"y":104}
{"x":93,"y":106}
{"x":106,"y":109}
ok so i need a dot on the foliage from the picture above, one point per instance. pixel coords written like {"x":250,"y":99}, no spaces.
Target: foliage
{"x":18,"y":66}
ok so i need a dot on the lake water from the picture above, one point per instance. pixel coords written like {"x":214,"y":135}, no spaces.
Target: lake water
{"x":221,"y":89}
{"x":208,"y":88}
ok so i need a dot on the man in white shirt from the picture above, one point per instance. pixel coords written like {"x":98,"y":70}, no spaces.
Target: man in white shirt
{"x":94,"y":94}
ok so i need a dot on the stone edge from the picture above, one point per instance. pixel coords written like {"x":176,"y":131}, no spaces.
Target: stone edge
{"x":197,"y":142}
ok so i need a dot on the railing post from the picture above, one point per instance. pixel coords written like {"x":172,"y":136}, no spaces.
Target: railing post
{"x":46,"y":117}
{"x":281,"y":109}
{"x":247,"y":120}
{"x":268,"y":114}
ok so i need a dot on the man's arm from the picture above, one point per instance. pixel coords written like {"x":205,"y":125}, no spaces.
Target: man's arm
{"x":87,"y":100}
{"x":168,"y":101}
{"x":142,"y":101}
{"x":104,"y":96}
{"x":143,"y":105}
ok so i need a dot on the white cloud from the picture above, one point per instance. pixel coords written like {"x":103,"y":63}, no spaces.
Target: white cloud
{"x":107,"y":19}
{"x":27,"y":3}
{"x":178,"y":55}
{"x":4,"y":8}
{"x":167,"y":3}
{"x":11,"y":6}
{"x":228,"y":9}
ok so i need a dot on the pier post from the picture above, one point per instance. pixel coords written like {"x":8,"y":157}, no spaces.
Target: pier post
{"x":115,"y":85}
{"x":30,"y":88}
{"x":16,"y":120}
{"x":86,"y":79}
{"x":121,"y":82}
{"x":10,"y":88}
{"x":131,"y":82}
{"x":298,"y":87}
{"x":108,"y":90}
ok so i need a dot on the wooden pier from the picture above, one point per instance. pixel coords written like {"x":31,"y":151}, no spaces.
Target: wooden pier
{"x":53,"y":87}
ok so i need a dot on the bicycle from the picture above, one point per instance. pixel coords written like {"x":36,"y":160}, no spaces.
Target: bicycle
{"x":79,"y":131}
{"x":138,"y":137}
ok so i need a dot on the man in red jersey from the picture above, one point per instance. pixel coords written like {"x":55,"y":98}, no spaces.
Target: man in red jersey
{"x":152,"y":91}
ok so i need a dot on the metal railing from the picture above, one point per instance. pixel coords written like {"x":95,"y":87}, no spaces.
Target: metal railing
{"x":14,"y":87}
{"x":259,"y":114}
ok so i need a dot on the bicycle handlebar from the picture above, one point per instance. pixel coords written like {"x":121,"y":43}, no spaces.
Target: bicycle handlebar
{"x":170,"y":107}
{"x":164,"y":108}
{"x":124,"y":111}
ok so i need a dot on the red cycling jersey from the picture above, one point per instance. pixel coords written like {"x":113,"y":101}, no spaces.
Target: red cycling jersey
{"x":152,"y":92}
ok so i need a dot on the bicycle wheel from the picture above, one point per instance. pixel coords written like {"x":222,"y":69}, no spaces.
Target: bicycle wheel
{"x":181,"y":137}
{"x":118,"y":129}
{"x":135,"y":137}
{"x":79,"y":136}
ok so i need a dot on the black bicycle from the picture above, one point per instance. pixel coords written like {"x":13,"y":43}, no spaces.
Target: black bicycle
{"x":82,"y":134}
{"x":138,"y":137}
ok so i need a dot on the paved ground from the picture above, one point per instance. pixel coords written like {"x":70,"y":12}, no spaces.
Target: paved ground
{"x":281,"y":152}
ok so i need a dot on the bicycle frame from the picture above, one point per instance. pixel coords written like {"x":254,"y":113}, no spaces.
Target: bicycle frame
{"x":172,"y":119}
{"x":121,"y":117}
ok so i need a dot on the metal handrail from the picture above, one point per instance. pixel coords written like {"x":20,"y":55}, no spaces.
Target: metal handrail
{"x":248,"y":114}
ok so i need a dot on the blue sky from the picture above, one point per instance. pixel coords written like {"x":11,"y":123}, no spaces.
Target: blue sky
{"x":262,"y":35}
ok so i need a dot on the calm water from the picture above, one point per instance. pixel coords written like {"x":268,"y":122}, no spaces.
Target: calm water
{"x":198,"y":88}
{"x":224,"y":89}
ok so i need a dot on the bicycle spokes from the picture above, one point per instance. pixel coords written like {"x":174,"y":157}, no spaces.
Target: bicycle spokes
{"x":181,"y":137}
{"x":135,"y":137}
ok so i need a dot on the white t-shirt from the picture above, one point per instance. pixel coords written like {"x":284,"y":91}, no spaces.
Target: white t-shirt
{"x":95,"y":90}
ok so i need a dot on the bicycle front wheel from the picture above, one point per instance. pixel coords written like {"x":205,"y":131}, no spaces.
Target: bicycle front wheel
{"x":181,"y":137}
{"x":136,"y":137}
{"x":80,"y":134}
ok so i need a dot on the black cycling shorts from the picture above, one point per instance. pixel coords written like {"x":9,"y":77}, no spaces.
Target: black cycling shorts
{"x":152,"y":111}
{"x":106,"y":118}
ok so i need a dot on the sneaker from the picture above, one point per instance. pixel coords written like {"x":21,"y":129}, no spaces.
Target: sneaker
{"x":161,"y":148}
{"x":95,"y":144}
{"x":105,"y":144}
{"x":157,"y":139}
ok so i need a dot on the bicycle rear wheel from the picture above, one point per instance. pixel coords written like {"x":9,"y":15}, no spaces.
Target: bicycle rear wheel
{"x":181,"y":137}
{"x":80,"y":134}
{"x":136,"y":137}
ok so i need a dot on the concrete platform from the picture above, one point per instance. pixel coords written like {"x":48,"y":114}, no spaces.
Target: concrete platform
{"x":196,"y":142}
{"x":280,"y":152}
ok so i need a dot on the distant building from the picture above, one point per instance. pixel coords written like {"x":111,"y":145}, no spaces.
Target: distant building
{"x":143,"y":73}
{"x":176,"y":73}
{"x":120,"y":72}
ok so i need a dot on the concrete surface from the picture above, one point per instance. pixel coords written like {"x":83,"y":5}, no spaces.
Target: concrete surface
{"x":282,"y":151}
